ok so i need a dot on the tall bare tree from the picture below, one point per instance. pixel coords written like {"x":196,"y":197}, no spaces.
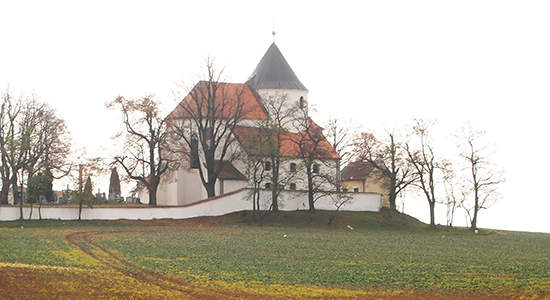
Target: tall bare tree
{"x":389,"y":158}
{"x":484,"y":178}
{"x":421,"y":154}
{"x":146,"y":156}
{"x":8,"y":114}
{"x":317,"y":154}
{"x":275,"y":131}
{"x":205,"y":120}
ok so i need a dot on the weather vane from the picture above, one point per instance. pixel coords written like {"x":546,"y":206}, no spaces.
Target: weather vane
{"x":273,"y":32}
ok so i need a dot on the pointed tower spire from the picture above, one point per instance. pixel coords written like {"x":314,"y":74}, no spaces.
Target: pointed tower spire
{"x":274,"y":72}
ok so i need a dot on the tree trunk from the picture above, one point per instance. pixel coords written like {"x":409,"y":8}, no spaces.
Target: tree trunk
{"x":80,"y":209}
{"x":211,"y":188}
{"x":392,"y":194}
{"x":432,"y":214}
{"x":310,"y":191}
{"x":476,"y":209}
{"x":30,"y":213}
{"x":5,"y":191}
{"x":476,"y":199}
{"x":275,"y":185}
{"x":153,"y":195}
{"x":16,"y":196}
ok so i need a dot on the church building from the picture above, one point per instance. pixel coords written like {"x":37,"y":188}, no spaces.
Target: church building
{"x":271,"y":95}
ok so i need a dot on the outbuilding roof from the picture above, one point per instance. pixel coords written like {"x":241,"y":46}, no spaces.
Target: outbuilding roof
{"x":274,"y":72}
{"x":357,"y":170}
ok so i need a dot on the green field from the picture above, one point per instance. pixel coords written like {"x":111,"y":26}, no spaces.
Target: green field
{"x":384,"y":252}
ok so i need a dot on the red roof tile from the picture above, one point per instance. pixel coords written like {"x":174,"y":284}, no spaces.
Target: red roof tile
{"x":228,"y":96}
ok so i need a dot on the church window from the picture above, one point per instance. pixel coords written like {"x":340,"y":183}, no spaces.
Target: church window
{"x":302,"y":102}
{"x":194,"y":152}
{"x":293,"y":186}
{"x":267,"y":166}
{"x":292,"y":167}
{"x":268,"y":185}
{"x":315,"y":168}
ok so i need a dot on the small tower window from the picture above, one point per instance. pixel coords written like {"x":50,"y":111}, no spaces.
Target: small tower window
{"x":267,"y":166}
{"x":293,"y":186}
{"x":268,"y":185}
{"x":302,"y":102}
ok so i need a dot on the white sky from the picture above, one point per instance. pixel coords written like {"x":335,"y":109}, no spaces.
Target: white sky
{"x":378,"y":62}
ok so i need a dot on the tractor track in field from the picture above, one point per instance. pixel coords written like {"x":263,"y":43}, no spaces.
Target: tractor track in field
{"x":118,"y":264}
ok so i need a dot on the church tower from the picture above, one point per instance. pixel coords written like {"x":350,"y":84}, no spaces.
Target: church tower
{"x":274,"y":76}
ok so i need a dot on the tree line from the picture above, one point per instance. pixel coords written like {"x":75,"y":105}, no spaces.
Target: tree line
{"x":34,"y":144}
{"x":205,"y":126}
{"x":202,"y":134}
{"x":408,"y":159}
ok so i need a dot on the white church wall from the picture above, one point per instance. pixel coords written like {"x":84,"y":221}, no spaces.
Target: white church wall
{"x":292,"y":101}
{"x":191,"y":187}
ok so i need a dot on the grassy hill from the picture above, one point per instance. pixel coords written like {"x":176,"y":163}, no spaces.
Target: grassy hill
{"x":385,"y":219}
{"x":387,"y":255}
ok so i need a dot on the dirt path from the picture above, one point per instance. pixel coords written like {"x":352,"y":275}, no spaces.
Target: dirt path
{"x":83,"y":240}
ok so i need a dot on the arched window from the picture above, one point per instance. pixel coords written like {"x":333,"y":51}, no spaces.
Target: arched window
{"x":302,"y":102}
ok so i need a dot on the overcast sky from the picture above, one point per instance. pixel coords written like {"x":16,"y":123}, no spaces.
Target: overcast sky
{"x":379,"y":62}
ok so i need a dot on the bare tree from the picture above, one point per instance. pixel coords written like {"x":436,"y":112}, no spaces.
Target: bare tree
{"x":484,"y":178}
{"x":146,"y":156}
{"x":389,"y":158}
{"x":205,"y":120}
{"x":339,"y":200}
{"x":422,"y":157}
{"x":33,"y":140}
{"x":280,"y":112}
{"x":314,"y":150}
{"x":8,"y":114}
{"x":341,"y":134}
{"x":455,"y":195}
{"x":255,"y":141}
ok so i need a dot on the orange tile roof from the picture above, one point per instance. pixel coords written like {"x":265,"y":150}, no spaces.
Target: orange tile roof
{"x":290,"y":143}
{"x":227,"y":95}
